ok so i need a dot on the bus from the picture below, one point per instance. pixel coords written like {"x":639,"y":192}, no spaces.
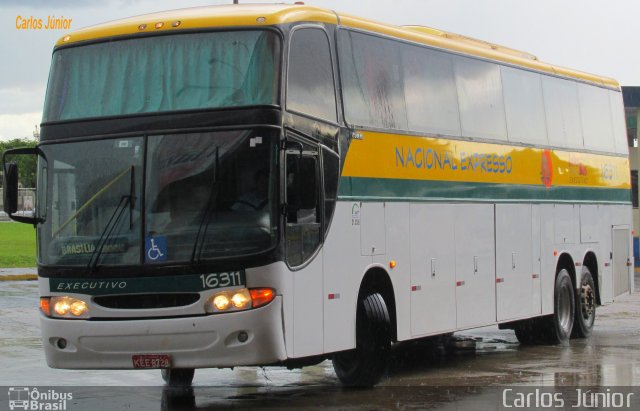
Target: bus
{"x":283,"y":184}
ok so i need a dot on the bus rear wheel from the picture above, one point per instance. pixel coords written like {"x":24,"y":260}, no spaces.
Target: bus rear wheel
{"x":178,"y":377}
{"x":560,"y":324}
{"x":585,"y":306}
{"x":367,"y":363}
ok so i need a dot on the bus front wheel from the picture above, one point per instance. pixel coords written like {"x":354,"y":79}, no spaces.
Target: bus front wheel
{"x":560,"y":324}
{"x":585,"y":306}
{"x":365,"y":365}
{"x":178,"y":377}
{"x":526,"y":331}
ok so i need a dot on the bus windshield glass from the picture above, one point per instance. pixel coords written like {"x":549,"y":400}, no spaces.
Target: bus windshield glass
{"x":163,"y":74}
{"x":176,"y":198}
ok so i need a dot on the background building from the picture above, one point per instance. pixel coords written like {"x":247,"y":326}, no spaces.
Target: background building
{"x":631,"y":97}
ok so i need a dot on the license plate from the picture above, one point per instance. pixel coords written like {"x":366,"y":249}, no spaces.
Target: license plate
{"x":151,"y":361}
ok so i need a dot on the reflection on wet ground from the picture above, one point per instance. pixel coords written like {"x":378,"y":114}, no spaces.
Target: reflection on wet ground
{"x":425,"y":374}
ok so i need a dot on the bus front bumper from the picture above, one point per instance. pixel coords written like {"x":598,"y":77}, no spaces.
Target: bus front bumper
{"x":190,"y":342}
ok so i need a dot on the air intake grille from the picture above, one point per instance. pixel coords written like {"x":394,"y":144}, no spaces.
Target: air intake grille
{"x":142,"y":301}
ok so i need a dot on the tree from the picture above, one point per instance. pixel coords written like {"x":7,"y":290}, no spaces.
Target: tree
{"x":27,"y":165}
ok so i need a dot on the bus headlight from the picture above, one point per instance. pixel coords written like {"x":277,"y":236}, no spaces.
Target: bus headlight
{"x":66,"y":307}
{"x":241,"y":299}
{"x":238,"y":300}
{"x":221,"y":302}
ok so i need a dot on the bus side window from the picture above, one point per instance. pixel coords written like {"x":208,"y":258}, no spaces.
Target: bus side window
{"x":310,"y":87}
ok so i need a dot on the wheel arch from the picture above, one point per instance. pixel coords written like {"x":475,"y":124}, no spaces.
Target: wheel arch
{"x":377,"y":280}
{"x":565,"y":261}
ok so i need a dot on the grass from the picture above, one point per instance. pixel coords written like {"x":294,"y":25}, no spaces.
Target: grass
{"x":17,"y":245}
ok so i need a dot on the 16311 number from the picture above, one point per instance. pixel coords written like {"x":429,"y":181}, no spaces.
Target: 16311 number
{"x":221,"y":280}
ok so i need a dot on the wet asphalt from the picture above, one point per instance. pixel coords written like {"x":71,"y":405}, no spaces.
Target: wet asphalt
{"x":470,"y":373}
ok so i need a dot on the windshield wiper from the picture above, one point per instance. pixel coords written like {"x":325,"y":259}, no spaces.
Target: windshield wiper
{"x":93,"y":198}
{"x":206,"y":218}
{"x":113,"y":223}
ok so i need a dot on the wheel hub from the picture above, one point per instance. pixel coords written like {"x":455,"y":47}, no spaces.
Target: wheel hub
{"x":565,"y":311}
{"x":587,"y":300}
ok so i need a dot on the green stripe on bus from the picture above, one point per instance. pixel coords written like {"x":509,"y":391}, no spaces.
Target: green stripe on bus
{"x":422,"y":190}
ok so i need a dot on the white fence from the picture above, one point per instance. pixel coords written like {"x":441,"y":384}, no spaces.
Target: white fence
{"x":26,"y":201}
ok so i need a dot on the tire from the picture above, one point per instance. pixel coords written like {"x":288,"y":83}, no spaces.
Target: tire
{"x":585,"y":313}
{"x":560,"y":325}
{"x":367,"y":363}
{"x":178,"y":377}
{"x":526,"y":332}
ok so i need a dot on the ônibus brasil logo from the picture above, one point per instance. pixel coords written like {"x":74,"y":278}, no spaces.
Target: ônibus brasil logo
{"x":25,"y":398}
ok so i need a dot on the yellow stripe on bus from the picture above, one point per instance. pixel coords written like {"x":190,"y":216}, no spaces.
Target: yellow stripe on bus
{"x":383,"y":155}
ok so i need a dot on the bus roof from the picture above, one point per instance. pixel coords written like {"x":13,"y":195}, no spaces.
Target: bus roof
{"x":238,"y":15}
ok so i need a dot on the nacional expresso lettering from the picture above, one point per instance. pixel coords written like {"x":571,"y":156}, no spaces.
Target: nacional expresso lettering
{"x":432,"y":159}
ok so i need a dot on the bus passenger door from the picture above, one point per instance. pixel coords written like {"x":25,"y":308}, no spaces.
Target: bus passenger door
{"x":303,"y":237}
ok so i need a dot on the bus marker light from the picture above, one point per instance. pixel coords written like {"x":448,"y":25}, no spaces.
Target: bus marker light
{"x":459,"y":283}
{"x":499,"y":280}
{"x":159,"y":25}
{"x":261,"y":296}
{"x":392,"y":264}
{"x":176,"y":23}
{"x":416,"y":287}
{"x":45,"y":306}
{"x":555,"y":253}
{"x":142,"y":27}
{"x":261,"y":20}
{"x":333,"y":296}
{"x":534,"y":275}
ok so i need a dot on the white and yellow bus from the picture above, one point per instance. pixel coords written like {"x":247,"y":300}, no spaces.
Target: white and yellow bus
{"x":282,"y":184}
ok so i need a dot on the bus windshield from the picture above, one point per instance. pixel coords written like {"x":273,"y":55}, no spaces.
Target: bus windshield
{"x":174,"y":198}
{"x":163,"y":73}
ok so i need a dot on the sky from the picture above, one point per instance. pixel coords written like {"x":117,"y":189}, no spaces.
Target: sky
{"x":596,"y":36}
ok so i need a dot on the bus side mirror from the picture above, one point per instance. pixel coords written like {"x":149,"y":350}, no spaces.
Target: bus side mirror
{"x":10,"y":183}
{"x":10,"y":188}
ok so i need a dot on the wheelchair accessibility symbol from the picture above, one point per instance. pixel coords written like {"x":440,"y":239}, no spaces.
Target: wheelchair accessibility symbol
{"x":156,"y":249}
